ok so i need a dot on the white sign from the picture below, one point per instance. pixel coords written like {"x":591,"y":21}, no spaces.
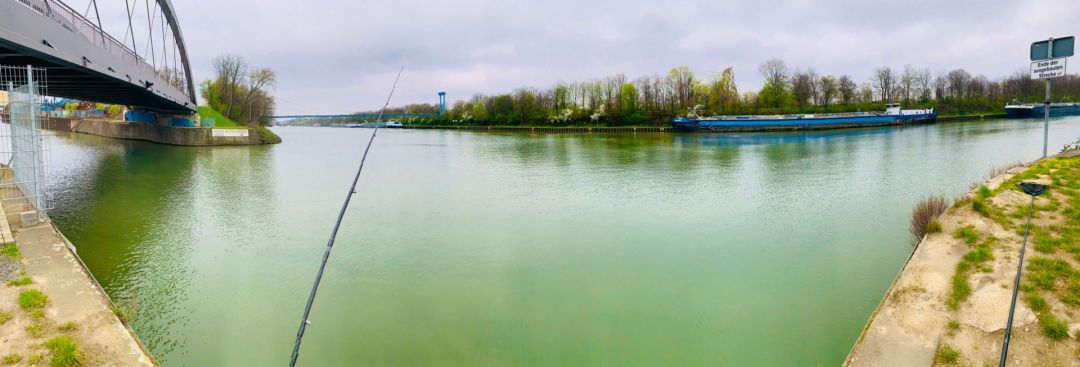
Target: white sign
{"x":1048,"y":69}
{"x":230,"y":133}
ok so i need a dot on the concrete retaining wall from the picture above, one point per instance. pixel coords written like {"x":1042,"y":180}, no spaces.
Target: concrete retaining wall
{"x":154,"y":133}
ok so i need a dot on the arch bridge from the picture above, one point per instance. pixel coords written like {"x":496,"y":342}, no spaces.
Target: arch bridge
{"x":147,"y":67}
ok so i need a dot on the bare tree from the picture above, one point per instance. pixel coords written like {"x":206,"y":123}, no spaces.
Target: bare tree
{"x":884,"y":81}
{"x":231,"y":70}
{"x":906,"y":87}
{"x":681,"y":81}
{"x":815,"y":85}
{"x":923,"y":80}
{"x":801,"y":87}
{"x":866,"y":93}
{"x":847,"y":89}
{"x":828,"y":90}
{"x":257,"y":80}
{"x":958,"y":82}
{"x":774,"y":71}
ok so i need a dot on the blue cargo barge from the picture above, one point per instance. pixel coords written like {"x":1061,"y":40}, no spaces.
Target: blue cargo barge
{"x":1019,"y":111}
{"x":893,"y":115}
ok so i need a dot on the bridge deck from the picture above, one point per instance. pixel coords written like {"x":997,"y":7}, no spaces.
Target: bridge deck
{"x":99,"y":69}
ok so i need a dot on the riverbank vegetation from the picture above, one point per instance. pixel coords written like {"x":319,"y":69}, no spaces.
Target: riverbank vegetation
{"x":964,"y":276}
{"x":924,"y":219}
{"x":240,"y":92}
{"x":655,"y":99}
{"x":220,"y":121}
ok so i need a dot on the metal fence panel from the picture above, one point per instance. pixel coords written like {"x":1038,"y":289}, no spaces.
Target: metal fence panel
{"x":23,"y":151}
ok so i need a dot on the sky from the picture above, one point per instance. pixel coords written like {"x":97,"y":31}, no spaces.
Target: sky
{"x":340,"y":56}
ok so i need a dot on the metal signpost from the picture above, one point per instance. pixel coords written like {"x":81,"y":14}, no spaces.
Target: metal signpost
{"x":1048,"y":62}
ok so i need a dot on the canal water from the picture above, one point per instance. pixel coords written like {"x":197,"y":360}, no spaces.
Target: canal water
{"x":466,"y":248}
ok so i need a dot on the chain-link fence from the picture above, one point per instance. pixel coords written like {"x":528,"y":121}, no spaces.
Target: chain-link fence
{"x":23,"y":152}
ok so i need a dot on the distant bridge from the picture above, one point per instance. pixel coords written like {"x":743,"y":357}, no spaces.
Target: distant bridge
{"x":442,"y":111}
{"x":86,"y":63}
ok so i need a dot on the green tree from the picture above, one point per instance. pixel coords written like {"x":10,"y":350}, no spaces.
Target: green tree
{"x":829,"y":87}
{"x":775,"y":93}
{"x":628,"y":99}
{"x":723,"y":94}
{"x":479,"y":112}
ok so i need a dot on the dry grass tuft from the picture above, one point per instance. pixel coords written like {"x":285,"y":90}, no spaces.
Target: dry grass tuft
{"x":1002,"y":169}
{"x":926,"y":212}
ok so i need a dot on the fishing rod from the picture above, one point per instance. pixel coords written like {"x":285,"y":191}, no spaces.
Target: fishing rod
{"x":1034,"y":190}
{"x":337,"y":225}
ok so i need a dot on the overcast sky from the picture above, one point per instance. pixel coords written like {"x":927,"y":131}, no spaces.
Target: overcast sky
{"x":341,"y":56}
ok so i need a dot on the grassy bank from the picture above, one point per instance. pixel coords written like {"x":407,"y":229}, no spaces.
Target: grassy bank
{"x":220,"y":121}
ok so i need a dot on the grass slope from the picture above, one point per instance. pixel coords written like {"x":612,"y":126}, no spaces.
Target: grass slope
{"x":220,"y":121}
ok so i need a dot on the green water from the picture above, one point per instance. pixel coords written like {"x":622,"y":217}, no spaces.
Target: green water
{"x":516,"y":249}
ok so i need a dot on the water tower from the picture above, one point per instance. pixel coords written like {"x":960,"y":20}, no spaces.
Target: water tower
{"x":442,"y":103}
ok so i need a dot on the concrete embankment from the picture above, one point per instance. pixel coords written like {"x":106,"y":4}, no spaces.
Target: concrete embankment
{"x":158,"y":134}
{"x":971,"y":117}
{"x":70,"y":305}
{"x":950,"y":302}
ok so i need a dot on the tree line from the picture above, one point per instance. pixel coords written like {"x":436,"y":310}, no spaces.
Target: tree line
{"x":655,"y":99}
{"x":239,"y":91}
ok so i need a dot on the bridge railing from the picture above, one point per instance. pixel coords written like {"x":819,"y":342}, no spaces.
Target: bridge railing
{"x":72,"y":21}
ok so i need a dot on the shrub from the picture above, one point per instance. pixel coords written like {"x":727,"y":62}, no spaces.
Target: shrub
{"x":5,"y":316}
{"x":64,"y":351}
{"x":32,"y":299}
{"x":926,"y":212}
{"x":983,"y":193}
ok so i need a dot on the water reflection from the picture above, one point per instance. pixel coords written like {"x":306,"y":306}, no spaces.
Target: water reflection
{"x":116,"y":200}
{"x":469,"y":248}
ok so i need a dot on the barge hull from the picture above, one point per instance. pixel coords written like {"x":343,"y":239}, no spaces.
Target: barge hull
{"x":697,"y":126}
